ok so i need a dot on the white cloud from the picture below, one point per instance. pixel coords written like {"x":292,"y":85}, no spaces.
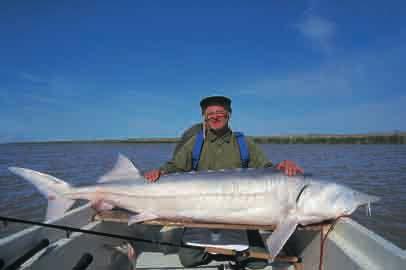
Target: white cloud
{"x":32,"y":78}
{"x":361,"y":91}
{"x":385,"y":115}
{"x":370,"y":116}
{"x":318,"y":30}
{"x":330,"y":79}
{"x":50,"y":90}
{"x":365,"y":73}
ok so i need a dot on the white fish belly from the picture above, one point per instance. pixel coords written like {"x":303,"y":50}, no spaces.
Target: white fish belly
{"x":241,"y":202}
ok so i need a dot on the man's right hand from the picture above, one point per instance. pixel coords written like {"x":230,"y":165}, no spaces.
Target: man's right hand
{"x":289,"y":167}
{"x":152,"y":175}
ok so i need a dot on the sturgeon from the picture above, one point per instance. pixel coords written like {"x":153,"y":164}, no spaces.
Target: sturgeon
{"x":238,"y":196}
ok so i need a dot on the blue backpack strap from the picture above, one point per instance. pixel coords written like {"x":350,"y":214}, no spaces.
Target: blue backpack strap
{"x":244,"y":151}
{"x":197,"y":149}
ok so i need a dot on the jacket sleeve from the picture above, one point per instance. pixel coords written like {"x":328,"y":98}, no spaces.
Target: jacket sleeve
{"x":182,"y":160}
{"x":257,"y":157}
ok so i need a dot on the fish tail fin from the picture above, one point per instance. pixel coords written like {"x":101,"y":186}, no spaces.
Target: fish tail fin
{"x":49,"y":186}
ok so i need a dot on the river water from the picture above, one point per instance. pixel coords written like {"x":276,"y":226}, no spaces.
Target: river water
{"x":375,"y":169}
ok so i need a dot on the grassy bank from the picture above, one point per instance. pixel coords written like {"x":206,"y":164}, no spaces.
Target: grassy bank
{"x":334,"y":139}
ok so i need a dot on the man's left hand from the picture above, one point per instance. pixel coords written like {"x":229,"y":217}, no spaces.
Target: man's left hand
{"x":289,"y":168}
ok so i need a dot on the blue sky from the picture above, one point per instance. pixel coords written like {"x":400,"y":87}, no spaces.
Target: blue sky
{"x":127,"y":69}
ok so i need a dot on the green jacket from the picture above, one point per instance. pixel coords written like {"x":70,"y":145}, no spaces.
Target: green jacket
{"x":217,"y":153}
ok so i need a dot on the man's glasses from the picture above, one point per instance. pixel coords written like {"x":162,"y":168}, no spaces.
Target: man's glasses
{"x":211,"y":115}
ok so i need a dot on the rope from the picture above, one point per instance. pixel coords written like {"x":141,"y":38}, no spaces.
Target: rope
{"x":323,"y":239}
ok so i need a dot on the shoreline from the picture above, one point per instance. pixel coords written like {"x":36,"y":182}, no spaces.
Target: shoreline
{"x":393,"y":138}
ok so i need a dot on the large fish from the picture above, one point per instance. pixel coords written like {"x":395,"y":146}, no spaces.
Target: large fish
{"x":239,"y":196}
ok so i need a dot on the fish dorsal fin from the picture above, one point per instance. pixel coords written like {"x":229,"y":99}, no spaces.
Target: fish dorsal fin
{"x":123,"y":169}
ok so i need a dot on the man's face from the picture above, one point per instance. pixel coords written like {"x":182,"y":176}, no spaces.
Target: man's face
{"x":216,"y":117}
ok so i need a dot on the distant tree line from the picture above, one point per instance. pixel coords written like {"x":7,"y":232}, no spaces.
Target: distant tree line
{"x":395,"y":138}
{"x":342,"y":139}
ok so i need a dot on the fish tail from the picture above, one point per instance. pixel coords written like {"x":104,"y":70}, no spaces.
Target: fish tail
{"x":49,"y":186}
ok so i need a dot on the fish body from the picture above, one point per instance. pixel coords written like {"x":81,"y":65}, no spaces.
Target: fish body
{"x":260,"y":196}
{"x":239,"y":196}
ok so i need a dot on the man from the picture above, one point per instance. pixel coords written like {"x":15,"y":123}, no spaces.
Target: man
{"x":217,"y":147}
{"x":220,"y":149}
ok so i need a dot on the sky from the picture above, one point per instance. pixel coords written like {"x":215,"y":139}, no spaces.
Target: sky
{"x":83,"y":70}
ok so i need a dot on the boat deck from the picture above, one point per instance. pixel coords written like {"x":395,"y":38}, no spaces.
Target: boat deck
{"x":348,"y":246}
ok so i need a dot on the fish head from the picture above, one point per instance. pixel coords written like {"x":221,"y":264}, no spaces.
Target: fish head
{"x":321,"y":201}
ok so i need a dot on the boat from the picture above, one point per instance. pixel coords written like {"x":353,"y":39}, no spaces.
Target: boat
{"x":68,"y":243}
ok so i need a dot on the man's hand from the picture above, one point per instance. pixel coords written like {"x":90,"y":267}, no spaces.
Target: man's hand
{"x":289,"y":168}
{"x":152,"y":175}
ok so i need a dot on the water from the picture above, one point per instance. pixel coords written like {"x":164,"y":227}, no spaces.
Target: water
{"x":375,"y":169}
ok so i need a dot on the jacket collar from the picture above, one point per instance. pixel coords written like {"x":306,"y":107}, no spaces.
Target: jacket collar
{"x":212,"y":137}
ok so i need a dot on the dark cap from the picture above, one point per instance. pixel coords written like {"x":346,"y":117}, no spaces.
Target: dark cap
{"x":216,"y":100}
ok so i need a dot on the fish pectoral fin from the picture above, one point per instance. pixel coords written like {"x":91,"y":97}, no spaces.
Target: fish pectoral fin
{"x":280,"y":236}
{"x":168,"y":228}
{"x":141,"y":217}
